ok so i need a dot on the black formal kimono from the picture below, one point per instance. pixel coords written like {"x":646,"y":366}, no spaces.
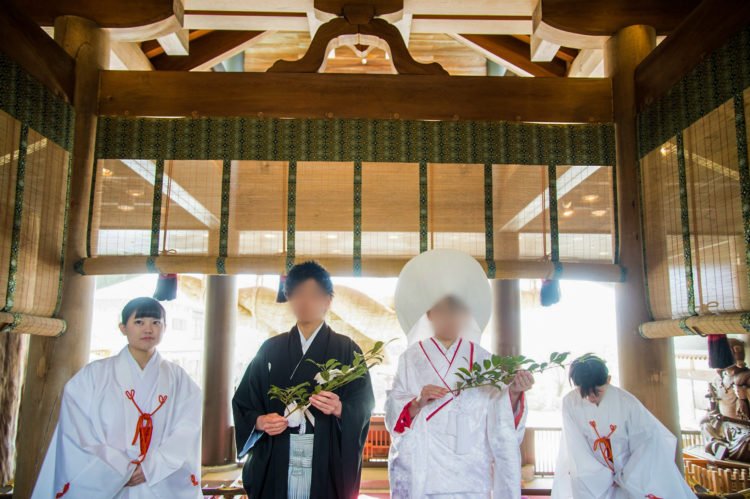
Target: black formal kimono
{"x":338,"y":444}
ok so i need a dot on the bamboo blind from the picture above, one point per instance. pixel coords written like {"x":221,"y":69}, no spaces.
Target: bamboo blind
{"x":695,"y":198}
{"x":34,"y":174}
{"x":362,"y":211}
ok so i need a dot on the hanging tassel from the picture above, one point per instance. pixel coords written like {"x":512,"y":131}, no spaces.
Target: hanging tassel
{"x":280,"y":295}
{"x":550,"y":292}
{"x":719,"y":352}
{"x":166,"y":287}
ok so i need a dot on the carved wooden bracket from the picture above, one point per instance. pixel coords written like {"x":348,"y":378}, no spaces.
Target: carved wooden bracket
{"x":357,"y":20}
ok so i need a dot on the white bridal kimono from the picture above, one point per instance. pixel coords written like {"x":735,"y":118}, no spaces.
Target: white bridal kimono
{"x":642,"y":451}
{"x":95,"y":443}
{"x":449,"y":448}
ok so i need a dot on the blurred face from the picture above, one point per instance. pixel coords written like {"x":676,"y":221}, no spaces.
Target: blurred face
{"x":598,"y":394}
{"x":448,"y":317}
{"x":143,"y":333}
{"x":309,"y":301}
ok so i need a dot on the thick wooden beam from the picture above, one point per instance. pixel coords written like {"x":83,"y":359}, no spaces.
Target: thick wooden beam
{"x":704,"y":30}
{"x":598,"y":18}
{"x":209,"y":50}
{"x":516,"y":52}
{"x":30,"y":47}
{"x":421,"y":97}
{"x":105,"y":13}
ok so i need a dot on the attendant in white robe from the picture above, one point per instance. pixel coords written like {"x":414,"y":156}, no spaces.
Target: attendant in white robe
{"x":129,"y":425}
{"x":612,"y":447}
{"x":445,"y":444}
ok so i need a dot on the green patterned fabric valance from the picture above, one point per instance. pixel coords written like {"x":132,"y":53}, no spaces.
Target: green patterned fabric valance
{"x":719,"y":77}
{"x":27,"y":100}
{"x":355,"y":140}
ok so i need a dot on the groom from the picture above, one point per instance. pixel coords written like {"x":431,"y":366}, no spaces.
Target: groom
{"x":317,"y":460}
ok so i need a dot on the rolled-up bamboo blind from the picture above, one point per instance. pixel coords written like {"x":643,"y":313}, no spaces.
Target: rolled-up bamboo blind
{"x":376,"y":266}
{"x":727,"y":323}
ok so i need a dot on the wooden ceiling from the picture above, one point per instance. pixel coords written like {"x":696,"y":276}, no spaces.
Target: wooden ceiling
{"x":551,"y":38}
{"x":456,"y":53}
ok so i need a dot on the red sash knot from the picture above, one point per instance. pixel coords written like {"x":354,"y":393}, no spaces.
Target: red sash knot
{"x":603,"y":445}
{"x":145,"y":427}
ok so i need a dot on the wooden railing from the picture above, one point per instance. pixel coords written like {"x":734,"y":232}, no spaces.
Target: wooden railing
{"x":716,"y":478}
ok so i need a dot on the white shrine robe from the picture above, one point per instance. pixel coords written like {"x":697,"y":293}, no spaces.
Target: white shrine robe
{"x":92,"y":449}
{"x":462,"y":446}
{"x":642,"y":451}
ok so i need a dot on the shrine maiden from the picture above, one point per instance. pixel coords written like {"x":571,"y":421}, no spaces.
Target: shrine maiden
{"x":129,"y":425}
{"x":448,"y":445}
{"x":612,"y":447}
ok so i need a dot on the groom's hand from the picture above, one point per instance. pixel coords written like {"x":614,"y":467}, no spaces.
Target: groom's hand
{"x":273,"y":423}
{"x":327,"y":403}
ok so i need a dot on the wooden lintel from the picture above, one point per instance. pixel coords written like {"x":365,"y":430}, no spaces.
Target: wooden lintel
{"x":30,"y":47}
{"x":420,"y":97}
{"x":709,"y":26}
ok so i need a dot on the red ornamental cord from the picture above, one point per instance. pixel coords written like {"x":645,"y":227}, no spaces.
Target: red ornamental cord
{"x":603,"y":445}
{"x":145,"y":426}
{"x":194,"y":481}
{"x":64,"y":491}
{"x":652,"y":496}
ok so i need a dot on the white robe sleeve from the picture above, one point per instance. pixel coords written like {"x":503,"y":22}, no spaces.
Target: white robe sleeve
{"x":398,"y":397}
{"x":651,"y":468}
{"x":406,"y":464}
{"x":505,"y":430}
{"x":172,"y":468}
{"x":79,"y":463}
{"x":578,"y":473}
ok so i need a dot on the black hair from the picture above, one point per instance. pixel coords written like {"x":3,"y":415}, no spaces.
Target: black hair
{"x":143,"y":307}
{"x":587,"y":373}
{"x":308,"y":270}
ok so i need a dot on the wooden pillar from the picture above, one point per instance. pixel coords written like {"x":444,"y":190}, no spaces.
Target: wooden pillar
{"x":12,"y":350}
{"x":218,"y":361}
{"x":506,"y":313}
{"x":53,"y":361}
{"x":647,"y":367}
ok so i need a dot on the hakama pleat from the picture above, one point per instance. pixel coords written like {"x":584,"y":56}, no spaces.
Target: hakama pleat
{"x":300,"y":465}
